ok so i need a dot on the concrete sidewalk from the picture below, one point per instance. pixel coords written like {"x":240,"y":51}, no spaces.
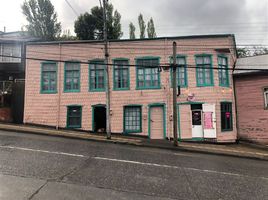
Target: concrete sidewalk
{"x":237,"y":150}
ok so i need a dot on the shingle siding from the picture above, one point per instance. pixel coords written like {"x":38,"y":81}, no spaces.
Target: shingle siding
{"x":252,"y":116}
{"x":43,"y":108}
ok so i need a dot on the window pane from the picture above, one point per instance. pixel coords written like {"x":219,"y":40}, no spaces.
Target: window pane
{"x":226,"y":117}
{"x":49,"y":77}
{"x":132,"y":119}
{"x":148,"y":76}
{"x":97,"y":75}
{"x":74,"y":116}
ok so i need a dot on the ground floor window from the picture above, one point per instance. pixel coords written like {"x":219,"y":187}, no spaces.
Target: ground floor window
{"x":74,"y":116}
{"x":266,"y":98}
{"x":132,"y":119}
{"x":226,"y":116}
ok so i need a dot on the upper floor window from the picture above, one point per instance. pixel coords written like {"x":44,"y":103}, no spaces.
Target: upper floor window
{"x":266,"y":98}
{"x":204,"y":72}
{"x":49,"y":77}
{"x":97,"y":76}
{"x":72,"y":77}
{"x":147,"y":73}
{"x":121,"y":74}
{"x":181,"y":71}
{"x":223,"y":71}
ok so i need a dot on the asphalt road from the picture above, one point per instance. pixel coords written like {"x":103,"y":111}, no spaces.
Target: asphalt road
{"x":48,"y":168}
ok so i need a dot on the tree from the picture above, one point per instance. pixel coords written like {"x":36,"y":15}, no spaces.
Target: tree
{"x":89,"y":26}
{"x":66,"y":35}
{"x":142,"y":26}
{"x":132,"y":31}
{"x":251,"y":51}
{"x":42,"y":19}
{"x":151,"y":29}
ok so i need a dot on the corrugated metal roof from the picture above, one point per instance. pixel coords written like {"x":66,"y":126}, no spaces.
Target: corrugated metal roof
{"x":252,"y":62}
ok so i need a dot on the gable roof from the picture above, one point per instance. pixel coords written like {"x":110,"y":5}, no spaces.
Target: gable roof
{"x":253,"y":62}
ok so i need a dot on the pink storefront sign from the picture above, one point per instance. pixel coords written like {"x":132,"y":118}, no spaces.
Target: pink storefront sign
{"x":208,"y":124}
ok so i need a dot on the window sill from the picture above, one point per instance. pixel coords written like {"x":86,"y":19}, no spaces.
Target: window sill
{"x":229,"y":130}
{"x":205,"y":85}
{"x":120,"y":89}
{"x":71,"y":91}
{"x":149,"y":88}
{"x":97,"y":90}
{"x":48,"y":92}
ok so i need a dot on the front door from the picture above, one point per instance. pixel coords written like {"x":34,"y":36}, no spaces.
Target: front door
{"x":157,"y":122}
{"x":99,"y":119}
{"x":209,"y":120}
{"x":197,"y":128}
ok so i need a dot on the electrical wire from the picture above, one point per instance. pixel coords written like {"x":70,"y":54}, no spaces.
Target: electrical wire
{"x":164,"y":65}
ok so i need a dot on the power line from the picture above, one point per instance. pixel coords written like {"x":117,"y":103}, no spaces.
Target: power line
{"x":164,"y":65}
{"x":72,"y":7}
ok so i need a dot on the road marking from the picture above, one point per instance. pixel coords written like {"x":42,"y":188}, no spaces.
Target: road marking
{"x":43,"y":151}
{"x":176,"y":167}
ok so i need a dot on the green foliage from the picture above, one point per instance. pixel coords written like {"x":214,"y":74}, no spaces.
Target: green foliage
{"x":66,"y":35}
{"x":251,"y":51}
{"x":142,"y":26}
{"x":132,"y":31}
{"x":42,"y":19}
{"x":89,"y":26}
{"x":151,"y":29}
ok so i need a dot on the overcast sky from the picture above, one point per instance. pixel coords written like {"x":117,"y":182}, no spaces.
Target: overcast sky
{"x":247,"y":19}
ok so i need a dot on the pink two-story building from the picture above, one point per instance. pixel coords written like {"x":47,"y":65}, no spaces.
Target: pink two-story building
{"x":65,"y":86}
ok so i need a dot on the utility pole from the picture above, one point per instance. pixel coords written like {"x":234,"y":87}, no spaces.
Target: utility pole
{"x":174,"y":84}
{"x":108,"y":121}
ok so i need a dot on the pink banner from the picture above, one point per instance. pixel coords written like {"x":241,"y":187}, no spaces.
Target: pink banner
{"x":208,"y":124}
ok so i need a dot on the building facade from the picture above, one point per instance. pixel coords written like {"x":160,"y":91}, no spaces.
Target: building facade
{"x":12,"y":75}
{"x":65,"y":86}
{"x":251,"y":88}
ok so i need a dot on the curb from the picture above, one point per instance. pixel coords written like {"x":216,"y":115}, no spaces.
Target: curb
{"x":137,"y":143}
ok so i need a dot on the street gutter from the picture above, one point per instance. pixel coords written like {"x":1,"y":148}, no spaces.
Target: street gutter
{"x":134,"y":141}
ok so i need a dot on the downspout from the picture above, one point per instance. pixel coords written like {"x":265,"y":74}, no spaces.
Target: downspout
{"x":235,"y":99}
{"x":59,"y":89}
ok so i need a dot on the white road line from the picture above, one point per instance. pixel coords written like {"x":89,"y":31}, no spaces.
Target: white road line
{"x":43,"y":151}
{"x":175,"y":167}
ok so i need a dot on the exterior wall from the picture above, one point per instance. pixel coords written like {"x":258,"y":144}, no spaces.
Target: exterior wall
{"x":51,"y":109}
{"x":252,"y":116}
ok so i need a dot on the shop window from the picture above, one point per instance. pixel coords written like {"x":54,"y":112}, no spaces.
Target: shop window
{"x":226,"y":116}
{"x":74,"y":116}
{"x":132,"y":119}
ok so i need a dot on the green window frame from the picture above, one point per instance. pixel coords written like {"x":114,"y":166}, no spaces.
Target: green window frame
{"x":97,"y":76}
{"x":147,"y":73}
{"x":121,"y":74}
{"x":223,"y":71}
{"x":132,"y":119}
{"x":72,"y":77}
{"x":226,"y":116}
{"x":265,"y":93}
{"x":182,"y":79}
{"x":49,"y":77}
{"x":204,"y":71}
{"x":74,"y":116}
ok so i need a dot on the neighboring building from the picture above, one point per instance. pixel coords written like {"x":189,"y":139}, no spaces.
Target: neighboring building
{"x":251,"y":88}
{"x":12,"y":74}
{"x":72,"y":94}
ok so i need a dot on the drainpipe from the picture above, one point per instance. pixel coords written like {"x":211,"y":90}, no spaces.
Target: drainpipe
{"x":235,"y":99}
{"x":59,"y":90}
